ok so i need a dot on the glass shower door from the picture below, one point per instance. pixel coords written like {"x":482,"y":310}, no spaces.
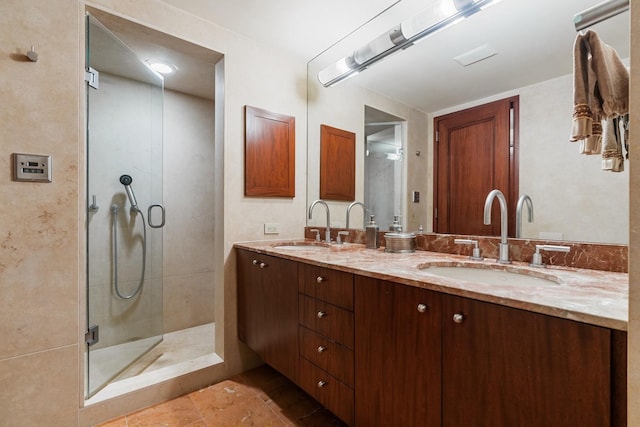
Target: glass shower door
{"x":124,"y":211}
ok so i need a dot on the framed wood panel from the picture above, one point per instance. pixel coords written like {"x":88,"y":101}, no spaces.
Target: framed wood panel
{"x":269,"y":164}
{"x":337,"y":164}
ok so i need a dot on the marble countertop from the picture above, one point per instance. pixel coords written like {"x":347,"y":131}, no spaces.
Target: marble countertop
{"x":591,"y":296}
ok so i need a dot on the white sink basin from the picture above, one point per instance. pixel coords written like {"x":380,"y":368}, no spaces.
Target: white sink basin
{"x":491,"y":276}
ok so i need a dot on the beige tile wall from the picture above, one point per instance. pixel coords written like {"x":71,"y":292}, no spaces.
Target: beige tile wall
{"x":39,"y":223}
{"x":189,"y":187}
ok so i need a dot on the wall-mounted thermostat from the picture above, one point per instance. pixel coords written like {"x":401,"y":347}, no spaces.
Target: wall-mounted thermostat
{"x":31,"y":167}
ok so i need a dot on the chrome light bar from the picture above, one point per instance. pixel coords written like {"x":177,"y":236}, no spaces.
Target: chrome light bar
{"x":399,"y":37}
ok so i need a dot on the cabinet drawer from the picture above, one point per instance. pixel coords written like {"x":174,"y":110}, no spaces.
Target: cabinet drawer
{"x":333,"y":322}
{"x":335,"y":287}
{"x":328,"y":355}
{"x":331,"y":393}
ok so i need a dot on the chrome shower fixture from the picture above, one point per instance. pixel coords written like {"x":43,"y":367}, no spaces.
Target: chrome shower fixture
{"x":126,"y":180}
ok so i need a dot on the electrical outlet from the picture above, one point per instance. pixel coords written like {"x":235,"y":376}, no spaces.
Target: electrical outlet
{"x":271,"y":228}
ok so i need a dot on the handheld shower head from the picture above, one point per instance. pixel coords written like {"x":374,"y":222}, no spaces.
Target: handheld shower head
{"x":126,"y":180}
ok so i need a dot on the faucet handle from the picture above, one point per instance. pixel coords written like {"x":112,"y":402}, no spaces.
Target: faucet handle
{"x":537,"y":256}
{"x":475,"y":255}
{"x":315,"y":230}
{"x":341,"y":233}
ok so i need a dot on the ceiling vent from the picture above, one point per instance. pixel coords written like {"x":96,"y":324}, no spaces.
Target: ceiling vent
{"x":476,"y":55}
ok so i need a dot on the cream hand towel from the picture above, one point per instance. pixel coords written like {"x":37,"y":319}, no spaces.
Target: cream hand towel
{"x":612,"y":158}
{"x":592,"y":144}
{"x":583,"y":88}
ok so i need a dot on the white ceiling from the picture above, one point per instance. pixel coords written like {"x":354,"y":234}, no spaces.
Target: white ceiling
{"x":303,"y":28}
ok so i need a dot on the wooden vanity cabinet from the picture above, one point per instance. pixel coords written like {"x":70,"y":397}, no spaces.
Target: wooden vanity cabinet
{"x":326,"y":334}
{"x":379,"y":353}
{"x":513,"y":367}
{"x":268,"y":309}
{"x":430,"y":359}
{"x":398,"y":341}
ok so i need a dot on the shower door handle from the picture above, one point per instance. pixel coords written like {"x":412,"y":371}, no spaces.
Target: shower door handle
{"x":149,"y":218}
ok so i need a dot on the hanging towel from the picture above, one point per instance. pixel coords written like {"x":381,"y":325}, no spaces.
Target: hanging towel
{"x":601,"y":93}
{"x":612,"y":158}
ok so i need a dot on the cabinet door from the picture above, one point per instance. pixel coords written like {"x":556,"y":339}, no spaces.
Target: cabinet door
{"x":251,"y":294}
{"x":397,"y":352}
{"x":268,"y":309}
{"x":508,"y":367}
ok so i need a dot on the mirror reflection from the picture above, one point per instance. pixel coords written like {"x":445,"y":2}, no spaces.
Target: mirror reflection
{"x":530,"y":45}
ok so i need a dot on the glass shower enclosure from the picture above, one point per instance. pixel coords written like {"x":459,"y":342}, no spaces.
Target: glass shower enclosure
{"x":124,"y":211}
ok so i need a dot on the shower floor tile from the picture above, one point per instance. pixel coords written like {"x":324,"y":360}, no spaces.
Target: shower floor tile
{"x":260,"y":397}
{"x":180,"y":352}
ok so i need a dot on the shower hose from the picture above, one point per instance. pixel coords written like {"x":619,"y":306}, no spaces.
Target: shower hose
{"x":114,"y":211}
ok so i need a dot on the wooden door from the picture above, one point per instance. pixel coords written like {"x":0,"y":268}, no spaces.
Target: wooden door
{"x":397,"y":354}
{"x":509,"y":367}
{"x":476,"y":151}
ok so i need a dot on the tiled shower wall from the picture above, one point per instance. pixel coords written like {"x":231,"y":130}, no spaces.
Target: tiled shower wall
{"x":189,"y":188}
{"x":187,"y":289}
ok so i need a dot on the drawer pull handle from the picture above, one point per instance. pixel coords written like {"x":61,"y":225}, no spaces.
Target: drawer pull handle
{"x":458,"y":318}
{"x":422,"y":308}
{"x":321,"y":349}
{"x":320,"y":279}
{"x":255,"y":262}
{"x":321,"y":384}
{"x":263,"y":265}
{"x":322,"y":314}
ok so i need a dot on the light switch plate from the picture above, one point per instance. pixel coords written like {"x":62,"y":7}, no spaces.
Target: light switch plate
{"x":271,"y":228}
{"x":31,"y":167}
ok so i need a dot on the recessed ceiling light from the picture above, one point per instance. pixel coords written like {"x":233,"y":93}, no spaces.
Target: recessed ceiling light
{"x":162,"y":67}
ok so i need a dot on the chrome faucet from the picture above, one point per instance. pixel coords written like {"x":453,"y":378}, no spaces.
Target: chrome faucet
{"x":326,"y":207}
{"x":504,"y":246}
{"x":364,"y":212}
{"x":537,"y":256}
{"x":521,"y":201}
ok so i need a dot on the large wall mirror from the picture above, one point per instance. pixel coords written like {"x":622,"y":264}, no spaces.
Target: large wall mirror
{"x":529,"y":49}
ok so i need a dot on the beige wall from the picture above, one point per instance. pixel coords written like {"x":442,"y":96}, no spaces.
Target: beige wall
{"x":42,"y":225}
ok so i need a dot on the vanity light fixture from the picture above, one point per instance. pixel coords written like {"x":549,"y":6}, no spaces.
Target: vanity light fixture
{"x":403,"y":35}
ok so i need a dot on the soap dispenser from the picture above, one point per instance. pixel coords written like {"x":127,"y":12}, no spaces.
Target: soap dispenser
{"x":372,"y":234}
{"x":396,"y":227}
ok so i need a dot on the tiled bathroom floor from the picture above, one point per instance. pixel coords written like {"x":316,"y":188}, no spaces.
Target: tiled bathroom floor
{"x":260,"y":397}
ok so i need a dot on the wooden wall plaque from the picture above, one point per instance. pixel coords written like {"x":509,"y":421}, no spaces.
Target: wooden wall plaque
{"x":269,"y":164}
{"x":337,"y":164}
